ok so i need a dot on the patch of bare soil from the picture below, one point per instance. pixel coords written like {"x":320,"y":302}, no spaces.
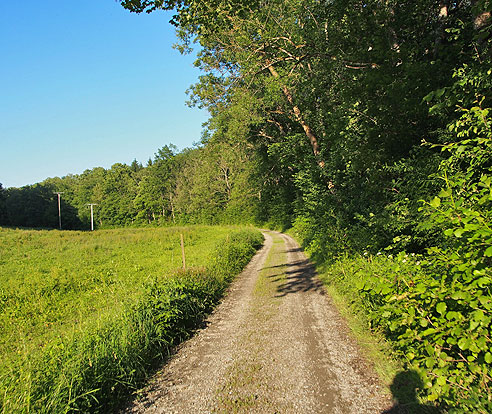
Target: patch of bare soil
{"x":276,"y":344}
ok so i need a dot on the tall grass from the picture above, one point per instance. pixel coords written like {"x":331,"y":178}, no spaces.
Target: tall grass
{"x":120,"y":309}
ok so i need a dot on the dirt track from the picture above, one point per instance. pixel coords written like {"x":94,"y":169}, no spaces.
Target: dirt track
{"x":276,"y":344}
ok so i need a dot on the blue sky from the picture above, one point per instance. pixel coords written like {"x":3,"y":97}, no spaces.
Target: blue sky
{"x":85,"y":83}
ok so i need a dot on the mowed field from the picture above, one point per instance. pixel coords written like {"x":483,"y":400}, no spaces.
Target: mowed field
{"x":82,"y":293}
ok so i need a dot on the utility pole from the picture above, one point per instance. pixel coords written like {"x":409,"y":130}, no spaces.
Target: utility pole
{"x":59,"y":208}
{"x":92,"y":215}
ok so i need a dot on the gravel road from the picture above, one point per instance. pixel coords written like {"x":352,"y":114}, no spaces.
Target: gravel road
{"x":276,"y":344}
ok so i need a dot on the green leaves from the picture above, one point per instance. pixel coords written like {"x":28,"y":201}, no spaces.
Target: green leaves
{"x":441,"y":307}
{"x":488,"y":358}
{"x":436,"y":202}
{"x":446,"y":334}
{"x":464,"y":343}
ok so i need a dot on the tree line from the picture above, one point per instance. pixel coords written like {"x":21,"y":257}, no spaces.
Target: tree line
{"x":209,"y":184}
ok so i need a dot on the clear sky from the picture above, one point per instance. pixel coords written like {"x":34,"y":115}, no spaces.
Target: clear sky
{"x":85,"y":83}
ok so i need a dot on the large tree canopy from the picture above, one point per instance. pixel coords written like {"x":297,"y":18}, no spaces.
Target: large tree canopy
{"x":330,"y":94}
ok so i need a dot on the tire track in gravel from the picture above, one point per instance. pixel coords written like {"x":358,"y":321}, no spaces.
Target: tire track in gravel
{"x":276,"y":344}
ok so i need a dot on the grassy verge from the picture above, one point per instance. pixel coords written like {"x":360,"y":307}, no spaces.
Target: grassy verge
{"x":130,"y":323}
{"x":373,"y":344}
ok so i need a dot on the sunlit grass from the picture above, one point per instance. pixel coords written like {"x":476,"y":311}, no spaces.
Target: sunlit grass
{"x":83,"y":293}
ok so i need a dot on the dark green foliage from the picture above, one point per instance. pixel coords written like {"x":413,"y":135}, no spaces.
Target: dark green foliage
{"x":37,"y":206}
{"x":216,"y":183}
{"x":330,"y":96}
{"x":3,"y":206}
{"x":436,"y":309}
{"x":154,"y":198}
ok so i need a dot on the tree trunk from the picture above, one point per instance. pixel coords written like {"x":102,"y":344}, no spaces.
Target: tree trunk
{"x":298,"y":115}
{"x":172,"y":208}
{"x":225,"y":171}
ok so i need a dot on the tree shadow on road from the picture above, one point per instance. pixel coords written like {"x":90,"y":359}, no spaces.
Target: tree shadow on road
{"x":404,"y":389}
{"x":301,"y":277}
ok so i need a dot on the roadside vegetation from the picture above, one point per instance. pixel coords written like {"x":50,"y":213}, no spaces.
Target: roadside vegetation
{"x":85,"y":316}
{"x":435,"y":306}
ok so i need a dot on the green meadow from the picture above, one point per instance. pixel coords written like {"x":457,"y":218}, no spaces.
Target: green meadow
{"x":84,"y":315}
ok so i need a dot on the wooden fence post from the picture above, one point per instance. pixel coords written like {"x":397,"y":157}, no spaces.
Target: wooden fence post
{"x":183,"y":251}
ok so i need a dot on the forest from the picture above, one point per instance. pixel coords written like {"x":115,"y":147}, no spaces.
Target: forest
{"x":362,"y":125}
{"x":200,"y":185}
